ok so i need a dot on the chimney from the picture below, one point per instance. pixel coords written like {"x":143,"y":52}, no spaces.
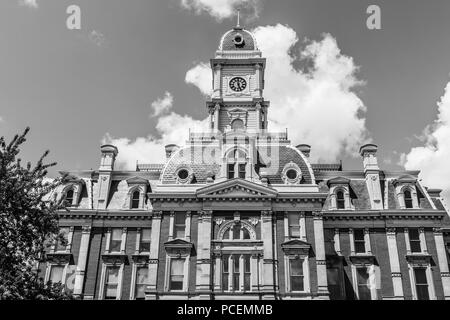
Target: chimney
{"x":305,"y":149}
{"x":372,"y":174}
{"x":109,"y":153}
{"x":170,"y":149}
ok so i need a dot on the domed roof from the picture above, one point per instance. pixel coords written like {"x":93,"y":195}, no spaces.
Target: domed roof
{"x":238,"y":39}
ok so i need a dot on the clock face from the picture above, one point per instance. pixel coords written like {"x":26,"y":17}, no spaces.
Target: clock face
{"x":238,"y":84}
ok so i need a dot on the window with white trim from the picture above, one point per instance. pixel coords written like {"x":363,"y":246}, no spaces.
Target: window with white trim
{"x":145,"y":239}
{"x":69,"y":198}
{"x":359,"y":241}
{"x":408,"y":199}
{"x":115,"y":244}
{"x":421,"y":284}
{"x":236,"y":272}
{"x":363,"y":283}
{"x":176,"y":279}
{"x":236,"y":164}
{"x":296,"y":276}
{"x":340,"y":200}
{"x":293,"y":225}
{"x":179,"y":225}
{"x":141,"y":282}
{"x":135,"y":199}
{"x":111,"y":286}
{"x":414,"y":240}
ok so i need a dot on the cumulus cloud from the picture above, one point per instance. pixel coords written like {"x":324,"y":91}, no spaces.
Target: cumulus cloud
{"x":29,"y":3}
{"x":201,"y":77}
{"x":171,"y":128}
{"x":162,"y":105}
{"x":433,"y":158}
{"x":317,"y":104}
{"x":221,"y":9}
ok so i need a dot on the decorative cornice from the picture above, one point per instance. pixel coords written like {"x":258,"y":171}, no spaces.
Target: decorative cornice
{"x":391,"y":231}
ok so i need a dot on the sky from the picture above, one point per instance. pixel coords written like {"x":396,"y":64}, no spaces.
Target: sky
{"x":137,"y":75}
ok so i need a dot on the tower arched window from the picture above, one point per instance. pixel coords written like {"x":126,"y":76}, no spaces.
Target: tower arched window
{"x":340,"y":200}
{"x":238,"y":124}
{"x":135,"y":199}
{"x":408,"y":199}
{"x":69,"y":198}
{"x":236,"y":164}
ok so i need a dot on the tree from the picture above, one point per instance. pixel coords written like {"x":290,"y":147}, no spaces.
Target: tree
{"x":27,"y":222}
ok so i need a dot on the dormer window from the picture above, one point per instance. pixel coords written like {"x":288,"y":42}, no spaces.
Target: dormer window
{"x":340,"y":200}
{"x":408,"y":199}
{"x":69,"y":198}
{"x":236,"y":164}
{"x":135,"y":200}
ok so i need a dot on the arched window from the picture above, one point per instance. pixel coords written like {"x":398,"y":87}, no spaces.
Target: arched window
{"x":236,"y":164}
{"x":237,"y":231}
{"x":408,"y":199}
{"x":69,"y":198}
{"x":237,"y":124}
{"x":135,"y":199}
{"x":340,"y":200}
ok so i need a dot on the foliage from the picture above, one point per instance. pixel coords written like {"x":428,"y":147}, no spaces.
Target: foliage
{"x":27,"y":221}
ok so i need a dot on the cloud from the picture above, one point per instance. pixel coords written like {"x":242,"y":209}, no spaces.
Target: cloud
{"x":97,"y":38}
{"x":29,"y":3}
{"x":221,"y":9}
{"x":317,"y":104}
{"x":171,"y":128}
{"x":162,"y":105}
{"x":433,"y":158}
{"x":201,"y":77}
{"x":1,"y":119}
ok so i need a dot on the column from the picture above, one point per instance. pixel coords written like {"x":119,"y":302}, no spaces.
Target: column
{"x":203,"y":279}
{"x":254,"y":270}
{"x":151,"y":292}
{"x":302,"y":226}
{"x":337,"y":242}
{"x":443,"y":263}
{"x":82,"y":260}
{"x":258,"y":116}
{"x":322,"y":285}
{"x":268,"y":257}
{"x":216,"y":117}
{"x":188,"y":226}
{"x":395,"y":263}
{"x":217,"y":272}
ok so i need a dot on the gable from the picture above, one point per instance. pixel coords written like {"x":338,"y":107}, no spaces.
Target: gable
{"x":236,"y":188}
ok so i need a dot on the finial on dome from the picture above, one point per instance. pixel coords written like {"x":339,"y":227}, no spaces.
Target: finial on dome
{"x":238,"y":17}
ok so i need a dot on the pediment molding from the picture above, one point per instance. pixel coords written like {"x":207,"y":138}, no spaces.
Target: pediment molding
{"x":296,"y":248}
{"x":137,"y":181}
{"x":236,"y":188}
{"x":178,"y":248}
{"x":338,"y":181}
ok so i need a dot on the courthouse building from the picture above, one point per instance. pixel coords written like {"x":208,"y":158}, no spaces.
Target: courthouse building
{"x":238,"y":212}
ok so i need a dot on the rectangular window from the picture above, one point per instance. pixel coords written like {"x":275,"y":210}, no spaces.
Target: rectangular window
{"x":334,"y":283}
{"x":360,"y":244}
{"x":230,"y":170}
{"x":141,"y":282}
{"x":176,"y":274}
{"x":116,"y":240}
{"x":180,"y":225}
{"x":294,"y":225}
{"x":236,"y":273}
{"x":61,"y":245}
{"x":111,"y":282}
{"x":242,"y":170}
{"x":247,"y":272}
{"x":225,"y":272}
{"x":420,"y":276}
{"x":362,"y":276}
{"x":296,"y":274}
{"x":414,"y":240}
{"x":56,"y":273}
{"x":144,"y":245}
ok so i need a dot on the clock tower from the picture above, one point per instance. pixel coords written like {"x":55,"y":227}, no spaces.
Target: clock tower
{"x":237,"y":101}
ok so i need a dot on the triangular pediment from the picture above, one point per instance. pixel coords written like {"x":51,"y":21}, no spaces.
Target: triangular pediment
{"x":177,"y":242}
{"x":295,"y":243}
{"x":405,"y":179}
{"x":236,"y":188}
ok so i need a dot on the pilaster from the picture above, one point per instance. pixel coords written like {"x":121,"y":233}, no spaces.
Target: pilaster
{"x":82,"y":260}
{"x":322,"y":284}
{"x":394,"y":263}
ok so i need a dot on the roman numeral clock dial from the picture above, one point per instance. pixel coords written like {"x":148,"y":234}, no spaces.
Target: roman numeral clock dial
{"x":238,"y":84}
